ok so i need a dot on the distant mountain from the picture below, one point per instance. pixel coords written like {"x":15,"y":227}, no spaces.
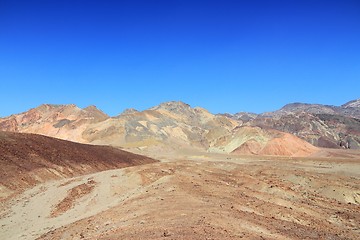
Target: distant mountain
{"x":241,"y":116}
{"x":322,"y":130}
{"x":350,"y":109}
{"x":320,"y":125}
{"x":128,"y":111}
{"x":176,"y":125}
{"x":352,"y":104}
{"x":168,"y":126}
{"x":302,"y":107}
{"x":61,"y":121}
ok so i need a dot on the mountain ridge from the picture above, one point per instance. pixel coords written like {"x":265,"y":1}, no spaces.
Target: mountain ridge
{"x":350,"y":104}
{"x":321,"y":125}
{"x":175,"y":124}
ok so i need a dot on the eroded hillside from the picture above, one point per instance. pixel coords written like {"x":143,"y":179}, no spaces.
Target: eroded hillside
{"x":30,"y":159}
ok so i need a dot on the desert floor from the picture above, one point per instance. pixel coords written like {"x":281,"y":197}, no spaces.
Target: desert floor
{"x":195,"y":196}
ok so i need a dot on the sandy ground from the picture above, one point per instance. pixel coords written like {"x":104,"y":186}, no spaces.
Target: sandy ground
{"x":195,"y":196}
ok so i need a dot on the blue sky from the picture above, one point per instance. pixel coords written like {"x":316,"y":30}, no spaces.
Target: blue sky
{"x":226,"y":56}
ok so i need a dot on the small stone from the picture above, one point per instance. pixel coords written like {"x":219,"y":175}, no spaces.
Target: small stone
{"x":166,"y":234}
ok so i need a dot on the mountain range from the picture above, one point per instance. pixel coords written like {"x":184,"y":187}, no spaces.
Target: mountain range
{"x":297,"y":129}
{"x":321,"y":125}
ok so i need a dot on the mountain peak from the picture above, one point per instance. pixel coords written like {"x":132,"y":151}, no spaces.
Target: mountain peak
{"x":95,"y":112}
{"x":172,"y":106}
{"x":128,"y":111}
{"x":54,"y":107}
{"x":295,"y":105}
{"x":353,"y":103}
{"x":91,"y":107}
{"x":50,"y":106}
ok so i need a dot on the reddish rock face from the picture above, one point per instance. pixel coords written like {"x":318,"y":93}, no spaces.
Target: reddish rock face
{"x":30,"y":117}
{"x":9,"y":124}
{"x":61,"y":121}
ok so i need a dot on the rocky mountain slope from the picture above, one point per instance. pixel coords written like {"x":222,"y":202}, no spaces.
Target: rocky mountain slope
{"x":61,"y":121}
{"x":170,"y":126}
{"x":349,"y":109}
{"x":257,"y":141}
{"x":352,"y":104}
{"x":29,"y":159}
{"x":321,"y":125}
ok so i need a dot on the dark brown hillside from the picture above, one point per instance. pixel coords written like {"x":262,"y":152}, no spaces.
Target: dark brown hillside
{"x":28,"y":159}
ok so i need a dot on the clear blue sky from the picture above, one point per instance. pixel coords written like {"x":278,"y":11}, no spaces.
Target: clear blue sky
{"x":226,"y":56}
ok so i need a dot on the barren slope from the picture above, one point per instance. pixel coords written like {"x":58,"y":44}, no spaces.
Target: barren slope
{"x":171,"y":125}
{"x":61,"y":121}
{"x":254,"y":140}
{"x":321,"y":125}
{"x":349,"y":109}
{"x":322,"y":130}
{"x":29,"y":159}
